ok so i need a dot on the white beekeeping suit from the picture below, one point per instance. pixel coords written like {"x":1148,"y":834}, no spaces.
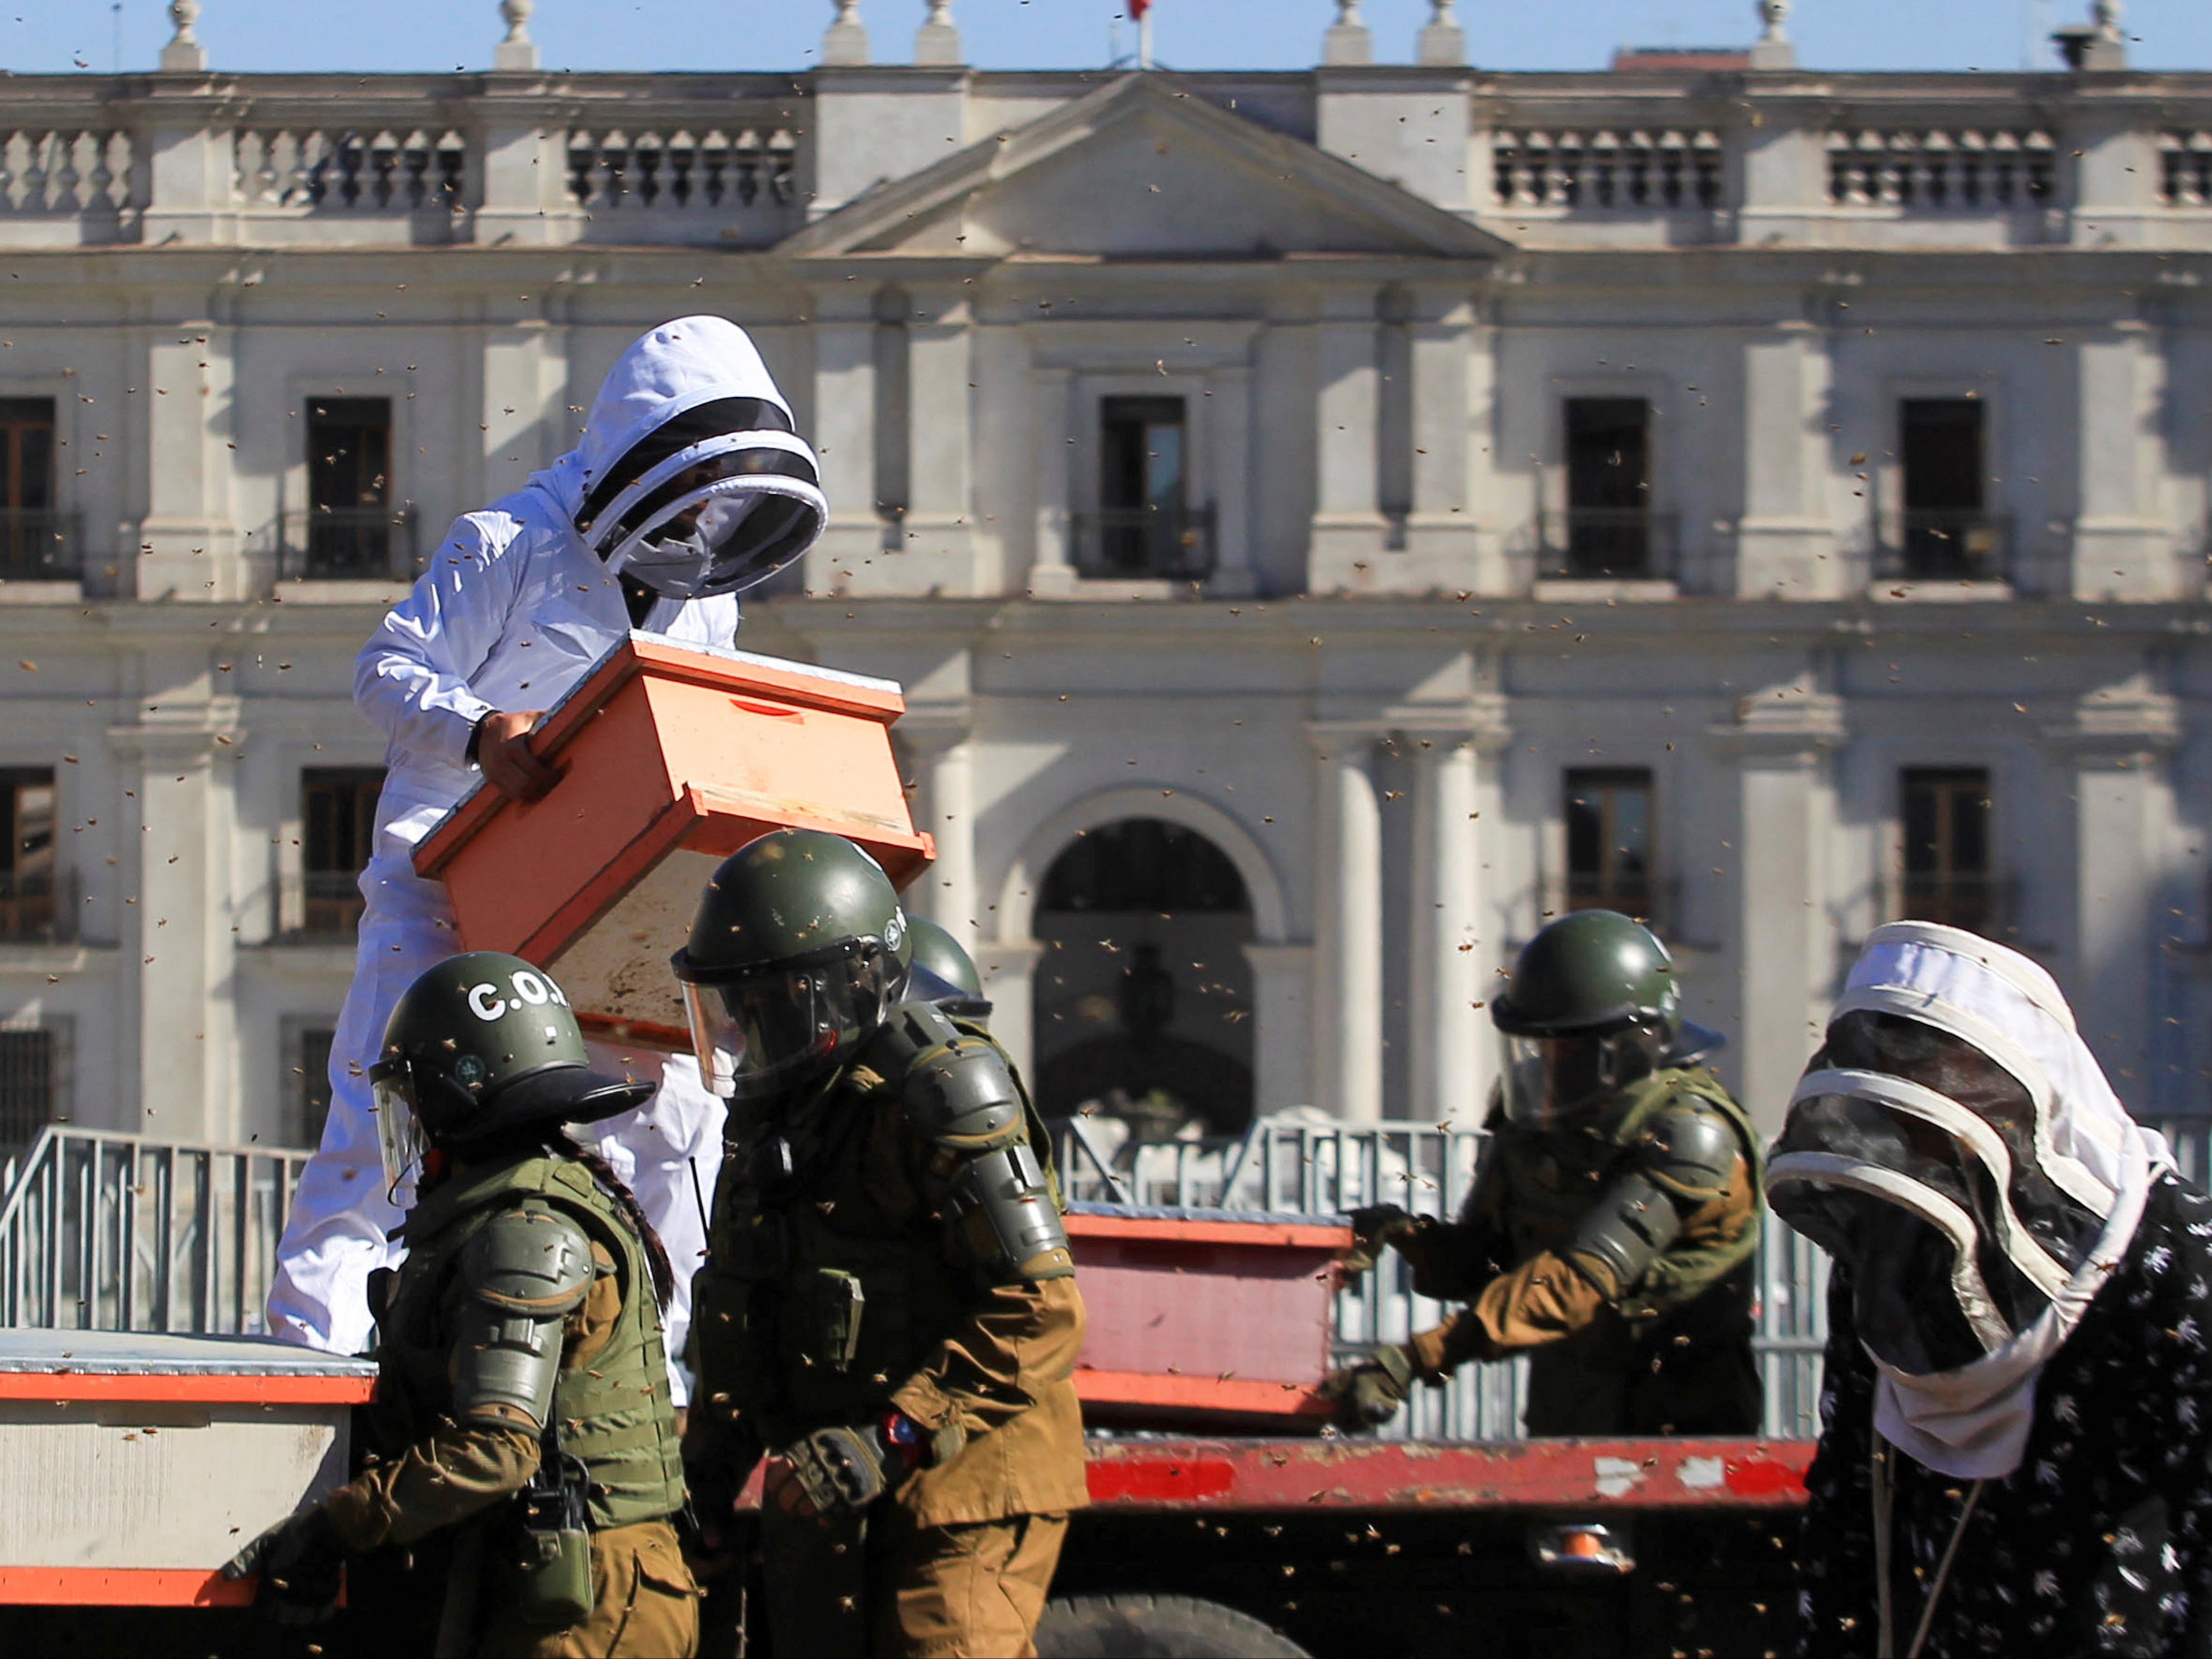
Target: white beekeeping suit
{"x":688,"y":481}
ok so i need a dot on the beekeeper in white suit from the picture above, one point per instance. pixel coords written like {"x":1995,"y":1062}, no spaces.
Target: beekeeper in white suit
{"x":690,"y":485}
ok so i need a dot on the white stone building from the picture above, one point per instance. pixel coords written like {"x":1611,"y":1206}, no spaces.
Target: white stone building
{"x":1770,"y":500}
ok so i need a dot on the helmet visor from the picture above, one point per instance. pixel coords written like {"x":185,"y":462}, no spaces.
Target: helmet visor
{"x":400,"y":1137}
{"x":1552,"y":1080}
{"x":760,"y":1033}
{"x":721,"y":526}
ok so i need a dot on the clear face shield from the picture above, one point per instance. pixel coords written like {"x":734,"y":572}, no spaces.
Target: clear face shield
{"x":400,"y":1136}
{"x":759,"y":1034}
{"x":717,"y":527}
{"x":1550,"y":1081}
{"x":1915,"y":1165}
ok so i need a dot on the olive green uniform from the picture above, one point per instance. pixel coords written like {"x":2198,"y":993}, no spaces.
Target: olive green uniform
{"x":429,"y":1473}
{"x":1667,"y":1354}
{"x":841,"y":1283}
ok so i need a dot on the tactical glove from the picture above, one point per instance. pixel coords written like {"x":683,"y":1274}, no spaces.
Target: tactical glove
{"x":1368,"y":1395}
{"x":301,"y":1563}
{"x":843,"y":1471}
{"x":1378,"y":1228}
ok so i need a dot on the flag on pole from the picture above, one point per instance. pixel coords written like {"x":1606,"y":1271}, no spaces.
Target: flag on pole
{"x":1138,"y":9}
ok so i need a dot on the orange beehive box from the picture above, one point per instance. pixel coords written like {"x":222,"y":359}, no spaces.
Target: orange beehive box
{"x":674,"y":756}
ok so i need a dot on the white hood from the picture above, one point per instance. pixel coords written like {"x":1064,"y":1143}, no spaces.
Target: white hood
{"x":1973,"y":1421}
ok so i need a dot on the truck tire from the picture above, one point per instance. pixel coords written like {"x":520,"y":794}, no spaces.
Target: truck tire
{"x":1156,"y":1627}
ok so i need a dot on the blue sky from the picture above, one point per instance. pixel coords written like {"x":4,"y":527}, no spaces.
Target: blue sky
{"x":65,"y":36}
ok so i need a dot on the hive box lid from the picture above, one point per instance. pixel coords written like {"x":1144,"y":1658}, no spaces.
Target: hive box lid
{"x":674,"y":756}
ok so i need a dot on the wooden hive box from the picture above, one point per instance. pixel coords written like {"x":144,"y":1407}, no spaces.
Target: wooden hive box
{"x":1205,"y":1316}
{"x":674,"y":756}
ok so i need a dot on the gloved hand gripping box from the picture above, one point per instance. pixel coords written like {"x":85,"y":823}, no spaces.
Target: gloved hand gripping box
{"x":673,"y":757}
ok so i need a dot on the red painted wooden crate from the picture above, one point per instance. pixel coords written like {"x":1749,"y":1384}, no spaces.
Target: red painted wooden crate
{"x":1204,"y":1314}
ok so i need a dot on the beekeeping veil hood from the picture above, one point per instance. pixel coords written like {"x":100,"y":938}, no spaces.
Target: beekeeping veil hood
{"x":1955,"y":1145}
{"x":689,"y":477}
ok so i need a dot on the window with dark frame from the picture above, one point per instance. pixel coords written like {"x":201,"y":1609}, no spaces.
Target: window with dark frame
{"x":1948,"y":875}
{"x":337,"y":826}
{"x":31,"y":1063}
{"x":349,"y":528}
{"x":1145,"y":525}
{"x":30,"y":905}
{"x":34,"y":541}
{"x":1947,"y":532}
{"x":310,"y":1096}
{"x":1609,"y":528}
{"x":1609,"y":839}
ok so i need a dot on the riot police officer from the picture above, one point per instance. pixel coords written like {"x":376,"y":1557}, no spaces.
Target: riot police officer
{"x":888,"y":1305}
{"x":1611,"y":1231}
{"x":522,"y":1408}
{"x":942,"y":972}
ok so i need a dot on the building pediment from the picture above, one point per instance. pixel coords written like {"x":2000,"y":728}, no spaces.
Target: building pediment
{"x":1142,"y":169}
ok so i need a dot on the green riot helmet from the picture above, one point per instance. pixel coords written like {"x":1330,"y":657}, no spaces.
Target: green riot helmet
{"x":798,"y":950}
{"x":943,"y":973}
{"x":479,"y":1044}
{"x":1593,"y":1006}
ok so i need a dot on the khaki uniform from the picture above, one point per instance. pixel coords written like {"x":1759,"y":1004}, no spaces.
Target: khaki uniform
{"x":428,"y":1473}
{"x":1668,"y":1354}
{"x":841,"y":1290}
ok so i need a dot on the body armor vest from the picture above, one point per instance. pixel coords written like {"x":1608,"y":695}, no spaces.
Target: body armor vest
{"x":1547,"y":1180}
{"x":615,"y":1415}
{"x":830,"y":1278}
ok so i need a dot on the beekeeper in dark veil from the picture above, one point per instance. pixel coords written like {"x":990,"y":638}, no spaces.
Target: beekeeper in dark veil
{"x":690,"y":484}
{"x":2013,"y":1454}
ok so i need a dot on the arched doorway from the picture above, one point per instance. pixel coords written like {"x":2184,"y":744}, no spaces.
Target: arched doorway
{"x":1143,"y":996}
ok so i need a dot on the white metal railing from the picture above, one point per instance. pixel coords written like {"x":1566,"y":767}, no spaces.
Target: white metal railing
{"x":1602,"y":171}
{"x":2185,"y":167}
{"x":65,"y":171}
{"x":1942,"y":170}
{"x":312,"y":169}
{"x":112,"y":1232}
{"x":1319,"y":1169}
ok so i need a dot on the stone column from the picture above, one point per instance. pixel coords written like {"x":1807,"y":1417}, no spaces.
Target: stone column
{"x":1230,"y":416}
{"x":1450,"y":960}
{"x":1051,"y":574}
{"x":2121,"y":547}
{"x":939,"y":549}
{"x":1282,"y":1011}
{"x":1009,"y":969}
{"x":525,"y":379}
{"x":2113,"y":750}
{"x":1440,"y":538}
{"x":943,"y":760}
{"x":1786,"y":530}
{"x":1347,"y":534}
{"x":188,"y":539}
{"x":1347,"y":976}
{"x":1785,"y":947}
{"x":180,"y":927}
{"x":845,"y":434}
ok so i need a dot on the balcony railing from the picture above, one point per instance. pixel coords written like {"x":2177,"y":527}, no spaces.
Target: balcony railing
{"x":330,"y":904}
{"x":348,"y":544}
{"x":1939,"y":170}
{"x":1607,"y":171}
{"x":37,"y":907}
{"x":1621,"y":544}
{"x":39,"y":544}
{"x":1145,"y":542}
{"x":1945,"y":545}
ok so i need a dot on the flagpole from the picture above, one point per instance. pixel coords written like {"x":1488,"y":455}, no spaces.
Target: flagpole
{"x":1144,"y":39}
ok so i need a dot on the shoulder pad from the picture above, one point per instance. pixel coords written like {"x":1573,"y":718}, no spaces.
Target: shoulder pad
{"x":1688,"y":1151}
{"x":534,"y":1261}
{"x":956,"y":1086}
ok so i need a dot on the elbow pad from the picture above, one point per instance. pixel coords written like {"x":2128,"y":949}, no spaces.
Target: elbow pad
{"x":1003,"y":1214}
{"x":1628,"y":1229}
{"x":522,"y":1274}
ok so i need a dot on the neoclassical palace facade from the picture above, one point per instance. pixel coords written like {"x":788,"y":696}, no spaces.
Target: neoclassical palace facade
{"x":1325,"y":523}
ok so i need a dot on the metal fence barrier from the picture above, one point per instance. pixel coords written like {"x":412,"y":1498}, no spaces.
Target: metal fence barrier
{"x":112,"y":1232}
